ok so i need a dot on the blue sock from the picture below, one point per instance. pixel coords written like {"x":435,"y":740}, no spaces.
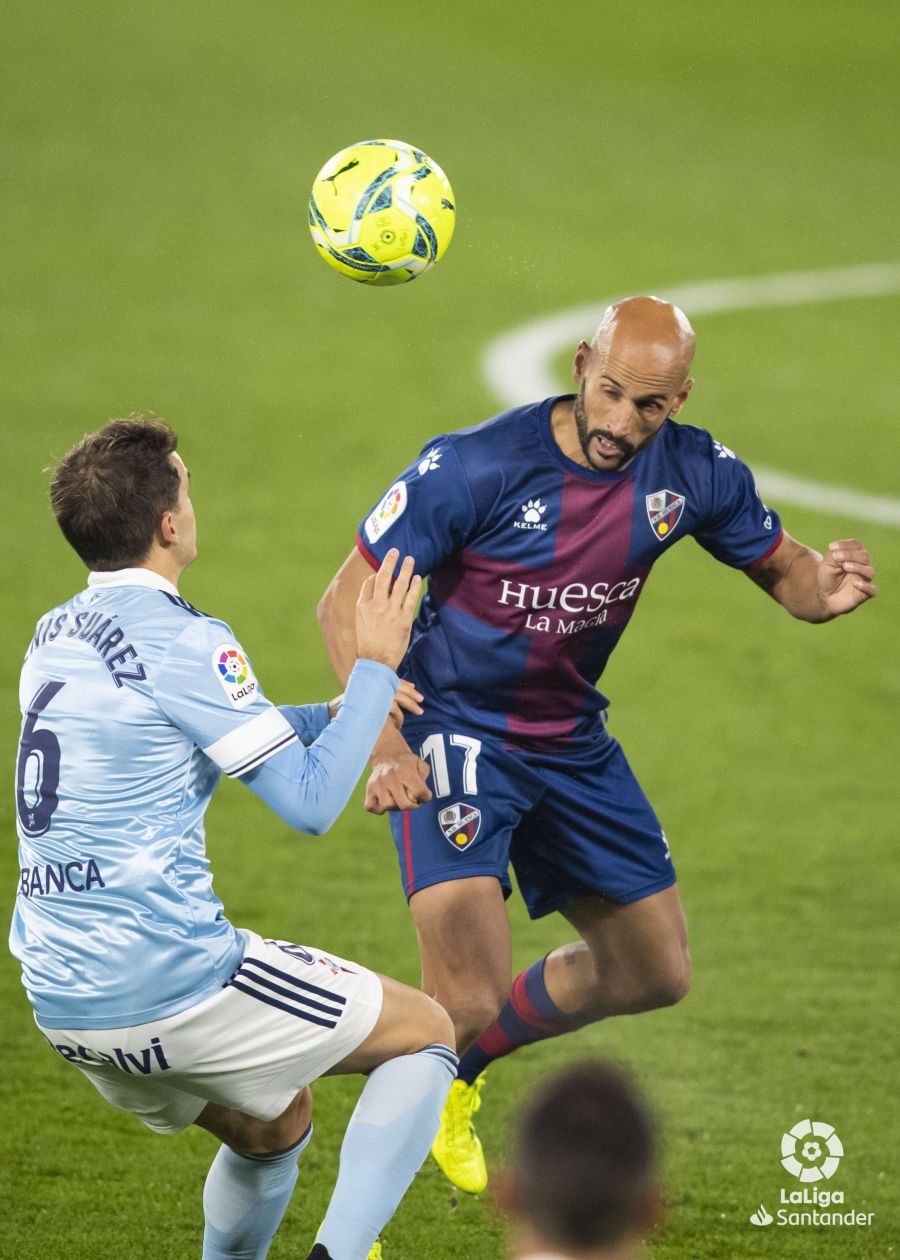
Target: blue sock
{"x":244,"y":1199}
{"x":529,"y":1015}
{"x":388,"y":1137}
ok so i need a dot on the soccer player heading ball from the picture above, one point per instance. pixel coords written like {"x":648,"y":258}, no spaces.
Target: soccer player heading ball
{"x":538,"y":530}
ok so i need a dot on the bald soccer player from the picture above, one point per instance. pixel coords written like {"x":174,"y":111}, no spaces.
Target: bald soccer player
{"x":538,"y":530}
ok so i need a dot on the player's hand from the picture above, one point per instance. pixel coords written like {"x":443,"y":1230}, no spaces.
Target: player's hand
{"x":407,"y":700}
{"x":385,"y":611}
{"x":334,"y":706}
{"x":399,"y":779}
{"x":845,"y":577}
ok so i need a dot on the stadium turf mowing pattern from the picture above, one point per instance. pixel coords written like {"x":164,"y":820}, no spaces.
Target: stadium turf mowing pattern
{"x":158,"y":160}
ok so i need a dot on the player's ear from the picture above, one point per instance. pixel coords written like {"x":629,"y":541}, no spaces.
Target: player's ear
{"x":582,"y":355}
{"x":681,"y":397}
{"x":166,"y":531}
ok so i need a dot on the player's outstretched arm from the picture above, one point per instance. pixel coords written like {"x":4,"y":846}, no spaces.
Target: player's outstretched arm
{"x":399,"y":778}
{"x":308,"y":788}
{"x":813,"y":587}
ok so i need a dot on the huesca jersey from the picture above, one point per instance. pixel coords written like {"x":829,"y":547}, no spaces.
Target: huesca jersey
{"x":535,"y":564}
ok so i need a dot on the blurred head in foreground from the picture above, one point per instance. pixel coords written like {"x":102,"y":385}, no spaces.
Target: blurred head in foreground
{"x":582,"y":1178}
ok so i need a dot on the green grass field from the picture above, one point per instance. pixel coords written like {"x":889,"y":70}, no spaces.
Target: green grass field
{"x":157,"y":162}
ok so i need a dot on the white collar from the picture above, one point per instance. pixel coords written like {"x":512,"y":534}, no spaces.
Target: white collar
{"x":133,"y":577}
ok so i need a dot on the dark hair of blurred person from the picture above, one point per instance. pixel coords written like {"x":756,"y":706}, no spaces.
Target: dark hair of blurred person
{"x":581,"y":1182}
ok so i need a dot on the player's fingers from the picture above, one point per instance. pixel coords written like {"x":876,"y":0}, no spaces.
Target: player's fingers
{"x":385,"y":575}
{"x":373,"y":802}
{"x":412,"y":596}
{"x":869,"y":589}
{"x":408,"y":698}
{"x":841,"y":548}
{"x":401,"y":585}
{"x":863,"y":570}
{"x":396,"y":715}
{"x":367,"y":590}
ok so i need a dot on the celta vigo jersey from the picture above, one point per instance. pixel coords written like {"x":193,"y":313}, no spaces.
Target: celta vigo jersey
{"x":133,"y":702}
{"x":536,"y":563}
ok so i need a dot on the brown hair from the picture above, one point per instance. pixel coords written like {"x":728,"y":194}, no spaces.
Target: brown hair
{"x":110,"y":491}
{"x":583,"y":1158}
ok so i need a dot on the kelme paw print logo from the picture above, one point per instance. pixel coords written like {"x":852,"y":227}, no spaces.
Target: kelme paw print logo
{"x":534,"y":510}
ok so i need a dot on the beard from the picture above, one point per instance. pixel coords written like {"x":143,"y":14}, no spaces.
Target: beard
{"x":586,"y":435}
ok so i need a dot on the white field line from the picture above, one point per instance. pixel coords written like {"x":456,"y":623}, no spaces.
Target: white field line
{"x":518,"y":365}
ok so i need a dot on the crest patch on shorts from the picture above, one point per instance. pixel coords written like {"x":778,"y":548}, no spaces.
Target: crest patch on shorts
{"x":460,"y":824}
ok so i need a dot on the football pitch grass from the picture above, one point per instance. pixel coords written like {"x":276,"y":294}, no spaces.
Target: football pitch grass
{"x":158,"y":159}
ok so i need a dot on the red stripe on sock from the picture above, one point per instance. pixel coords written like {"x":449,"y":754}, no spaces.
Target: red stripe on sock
{"x":407,"y":853}
{"x":494,"y":1042}
{"x":519,"y":1001}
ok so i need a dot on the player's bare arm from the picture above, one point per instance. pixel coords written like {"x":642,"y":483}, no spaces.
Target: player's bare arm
{"x":399,"y":777}
{"x":813,"y":587}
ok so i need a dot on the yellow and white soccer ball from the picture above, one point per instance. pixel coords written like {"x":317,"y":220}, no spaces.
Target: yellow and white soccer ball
{"x":381,"y":212}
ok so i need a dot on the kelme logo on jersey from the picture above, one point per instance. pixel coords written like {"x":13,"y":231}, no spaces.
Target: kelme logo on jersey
{"x":235,"y":673}
{"x":389,"y":510}
{"x":664,"y":508}
{"x":532,"y":511}
{"x":460,"y":824}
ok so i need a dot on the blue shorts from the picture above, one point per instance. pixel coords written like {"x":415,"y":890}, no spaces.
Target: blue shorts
{"x":573,"y":824}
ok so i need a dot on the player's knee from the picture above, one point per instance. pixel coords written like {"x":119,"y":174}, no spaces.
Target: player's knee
{"x":671,"y":983}
{"x":264,"y":1137}
{"x":434,"y":1024}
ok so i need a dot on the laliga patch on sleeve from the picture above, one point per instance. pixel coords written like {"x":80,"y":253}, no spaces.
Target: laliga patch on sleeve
{"x":389,"y":510}
{"x":235,"y":673}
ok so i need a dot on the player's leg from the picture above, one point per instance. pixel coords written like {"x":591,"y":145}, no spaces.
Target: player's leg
{"x":631,"y":958}
{"x":593,"y":849}
{"x":454,"y":856}
{"x":466,"y":951}
{"x":252,"y":1177}
{"x":464,"y":940}
{"x":410,"y":1063}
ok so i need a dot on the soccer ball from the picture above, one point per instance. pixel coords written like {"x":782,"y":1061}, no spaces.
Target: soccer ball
{"x":381,"y":212}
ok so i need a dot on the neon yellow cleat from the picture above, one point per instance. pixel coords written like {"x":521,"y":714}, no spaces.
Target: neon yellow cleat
{"x":375,"y":1253}
{"x":456,"y":1148}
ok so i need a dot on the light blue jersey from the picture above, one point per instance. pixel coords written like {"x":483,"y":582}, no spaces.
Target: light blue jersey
{"x":133,"y":702}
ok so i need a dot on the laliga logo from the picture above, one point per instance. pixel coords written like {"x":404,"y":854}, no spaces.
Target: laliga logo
{"x":809,"y":1167}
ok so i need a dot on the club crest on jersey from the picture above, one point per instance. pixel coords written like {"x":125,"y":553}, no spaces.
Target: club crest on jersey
{"x":389,"y":510}
{"x":664,"y":508}
{"x":235,"y":673}
{"x":460,"y":824}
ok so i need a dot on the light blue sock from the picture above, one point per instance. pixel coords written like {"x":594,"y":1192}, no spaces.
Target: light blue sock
{"x":388,"y":1137}
{"x":244,"y":1199}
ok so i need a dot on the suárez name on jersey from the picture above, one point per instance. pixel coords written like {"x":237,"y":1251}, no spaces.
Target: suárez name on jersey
{"x":97,"y":630}
{"x":577,"y":597}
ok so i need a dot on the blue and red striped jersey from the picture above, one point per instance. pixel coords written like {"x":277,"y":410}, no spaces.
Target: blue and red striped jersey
{"x":535,"y":564}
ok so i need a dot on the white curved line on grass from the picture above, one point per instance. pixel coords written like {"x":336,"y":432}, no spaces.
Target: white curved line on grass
{"x":518,"y":364}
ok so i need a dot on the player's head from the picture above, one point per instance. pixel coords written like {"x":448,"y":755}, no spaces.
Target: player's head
{"x":582,"y":1179}
{"x":121,"y":495}
{"x":631,"y":378}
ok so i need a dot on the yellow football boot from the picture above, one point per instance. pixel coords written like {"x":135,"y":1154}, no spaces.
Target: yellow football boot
{"x":375,"y":1253}
{"x":456,"y":1148}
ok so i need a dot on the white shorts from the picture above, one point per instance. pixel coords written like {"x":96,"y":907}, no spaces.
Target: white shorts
{"x":287,"y":1015}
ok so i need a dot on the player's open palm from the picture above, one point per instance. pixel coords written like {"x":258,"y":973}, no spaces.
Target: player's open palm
{"x":845,"y":576}
{"x":385,"y":611}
